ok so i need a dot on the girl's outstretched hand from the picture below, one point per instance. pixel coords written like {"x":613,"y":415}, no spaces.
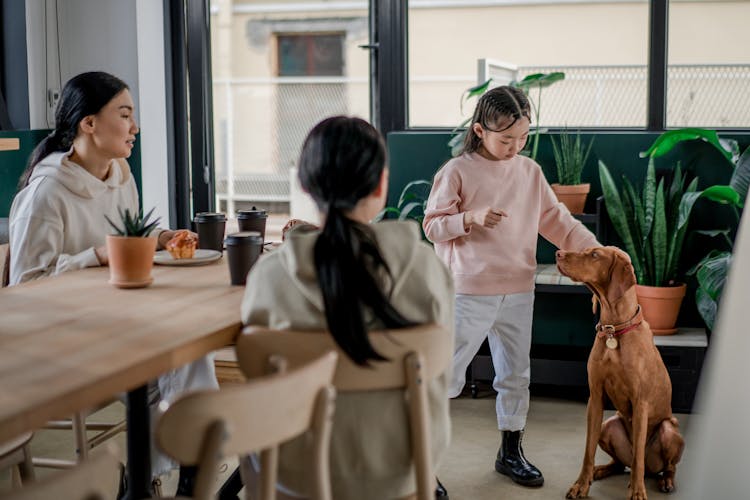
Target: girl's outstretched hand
{"x":485,"y":217}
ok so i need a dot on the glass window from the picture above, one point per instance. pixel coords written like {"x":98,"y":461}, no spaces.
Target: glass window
{"x":311,"y":55}
{"x":279,"y":68}
{"x":602,"y":47}
{"x":708,"y":74}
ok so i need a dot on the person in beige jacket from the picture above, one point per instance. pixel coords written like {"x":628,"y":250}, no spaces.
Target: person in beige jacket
{"x":77,"y":176}
{"x":347,"y":278}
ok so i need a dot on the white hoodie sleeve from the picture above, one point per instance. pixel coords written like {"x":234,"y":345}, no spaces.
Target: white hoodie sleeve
{"x":36,"y":250}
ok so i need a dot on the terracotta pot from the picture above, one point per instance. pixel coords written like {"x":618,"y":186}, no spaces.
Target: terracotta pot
{"x":573,"y":197}
{"x":130,"y":260}
{"x":661,"y":305}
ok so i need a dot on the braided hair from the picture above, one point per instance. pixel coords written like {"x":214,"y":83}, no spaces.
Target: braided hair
{"x":342,"y":162}
{"x":498,"y":109}
{"x":83,"y":95}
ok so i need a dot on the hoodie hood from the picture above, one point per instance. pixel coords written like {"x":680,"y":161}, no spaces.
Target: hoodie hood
{"x":77,"y":179}
{"x":395,"y":240}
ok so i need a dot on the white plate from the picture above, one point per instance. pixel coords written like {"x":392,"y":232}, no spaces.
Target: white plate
{"x":202,"y":256}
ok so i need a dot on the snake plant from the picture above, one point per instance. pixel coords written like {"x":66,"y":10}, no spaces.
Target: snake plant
{"x":652,"y":225}
{"x":570,"y":157}
{"x":134,"y":225}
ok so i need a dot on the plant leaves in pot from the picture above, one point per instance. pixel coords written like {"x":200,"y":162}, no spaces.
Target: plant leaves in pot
{"x":131,"y":249}
{"x":652,"y":227}
{"x":570,"y":158}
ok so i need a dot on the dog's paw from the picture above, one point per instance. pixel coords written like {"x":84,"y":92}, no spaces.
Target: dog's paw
{"x":639,"y":493}
{"x":580,"y":489}
{"x":666,"y":484}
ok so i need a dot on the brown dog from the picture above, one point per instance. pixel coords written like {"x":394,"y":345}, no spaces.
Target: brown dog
{"x":625,"y":365}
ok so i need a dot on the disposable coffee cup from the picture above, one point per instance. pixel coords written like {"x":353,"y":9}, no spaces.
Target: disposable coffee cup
{"x":243,"y":250}
{"x":253,"y":220}
{"x":210,"y":227}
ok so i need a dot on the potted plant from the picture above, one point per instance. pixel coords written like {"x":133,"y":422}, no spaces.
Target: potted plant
{"x":131,"y":249}
{"x":537,"y":80}
{"x":411,"y":204}
{"x":652,"y":226}
{"x":570,"y":157}
{"x":712,"y":270}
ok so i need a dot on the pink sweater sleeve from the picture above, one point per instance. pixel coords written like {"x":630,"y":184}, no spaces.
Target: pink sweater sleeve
{"x":443,"y":220}
{"x":558,"y":226}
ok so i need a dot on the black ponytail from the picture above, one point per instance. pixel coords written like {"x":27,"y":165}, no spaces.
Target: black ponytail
{"x":342,"y":161}
{"x":83,"y":95}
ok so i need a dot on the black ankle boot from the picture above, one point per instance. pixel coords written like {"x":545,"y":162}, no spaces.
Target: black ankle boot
{"x":440,"y":492}
{"x":511,"y":462}
{"x":186,"y":483}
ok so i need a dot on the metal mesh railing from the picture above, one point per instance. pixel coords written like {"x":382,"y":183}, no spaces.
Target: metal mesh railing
{"x":708,"y":96}
{"x":261,"y":123}
{"x":592,"y":96}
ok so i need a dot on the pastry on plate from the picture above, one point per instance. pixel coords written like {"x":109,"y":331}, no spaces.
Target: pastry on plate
{"x":182,"y":245}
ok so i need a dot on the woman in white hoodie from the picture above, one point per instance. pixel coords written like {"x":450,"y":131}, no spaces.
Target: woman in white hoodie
{"x":76,"y":176}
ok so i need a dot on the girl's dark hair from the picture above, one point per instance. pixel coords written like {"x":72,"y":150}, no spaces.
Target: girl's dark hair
{"x":83,"y":95}
{"x":497,"y":109}
{"x":342,"y":161}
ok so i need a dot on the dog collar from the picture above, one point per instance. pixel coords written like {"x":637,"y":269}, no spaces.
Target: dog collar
{"x":611,"y":332}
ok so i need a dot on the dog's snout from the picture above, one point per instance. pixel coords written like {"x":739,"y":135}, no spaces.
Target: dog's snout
{"x":559,"y":254}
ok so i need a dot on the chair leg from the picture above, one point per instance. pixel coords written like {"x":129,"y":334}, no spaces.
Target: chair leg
{"x":79,"y":430}
{"x":22,"y":472}
{"x":26,"y":468}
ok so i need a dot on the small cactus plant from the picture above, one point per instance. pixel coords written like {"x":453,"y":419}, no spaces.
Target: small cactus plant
{"x":134,"y":225}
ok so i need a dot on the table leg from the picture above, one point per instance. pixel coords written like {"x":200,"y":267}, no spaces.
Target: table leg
{"x":139,"y":445}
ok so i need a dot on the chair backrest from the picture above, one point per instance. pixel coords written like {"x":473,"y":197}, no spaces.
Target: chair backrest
{"x":202,"y":427}
{"x":415,"y":356}
{"x":95,"y":478}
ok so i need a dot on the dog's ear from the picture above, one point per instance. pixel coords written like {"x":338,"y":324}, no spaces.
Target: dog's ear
{"x":621,"y":279}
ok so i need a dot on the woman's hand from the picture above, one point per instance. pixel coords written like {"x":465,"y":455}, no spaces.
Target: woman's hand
{"x":168,"y":234}
{"x":485,"y":217}
{"x":101,"y":255}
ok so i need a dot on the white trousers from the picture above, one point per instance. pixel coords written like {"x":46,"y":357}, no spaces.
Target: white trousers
{"x":195,"y":376}
{"x":505,"y":320}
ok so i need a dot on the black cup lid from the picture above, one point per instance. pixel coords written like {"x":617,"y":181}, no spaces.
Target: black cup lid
{"x":251,"y":214}
{"x":244,"y":238}
{"x":209,"y":216}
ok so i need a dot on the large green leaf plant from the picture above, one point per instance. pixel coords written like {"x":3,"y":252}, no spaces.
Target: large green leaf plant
{"x":411,"y":204}
{"x":653,"y":224}
{"x":711,"y":272}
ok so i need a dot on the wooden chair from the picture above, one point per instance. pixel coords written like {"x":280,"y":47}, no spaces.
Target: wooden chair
{"x":93,"y":479}
{"x":78,"y":423}
{"x":15,"y":454}
{"x":202,"y":427}
{"x":416,"y":356}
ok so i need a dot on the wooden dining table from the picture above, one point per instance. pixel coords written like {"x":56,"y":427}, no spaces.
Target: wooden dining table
{"x":73,"y":341}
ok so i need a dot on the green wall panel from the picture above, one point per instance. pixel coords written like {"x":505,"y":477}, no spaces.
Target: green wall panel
{"x":13,"y":163}
{"x":566,"y":319}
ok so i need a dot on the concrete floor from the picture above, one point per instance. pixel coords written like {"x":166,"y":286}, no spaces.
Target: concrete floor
{"x":553,"y":441}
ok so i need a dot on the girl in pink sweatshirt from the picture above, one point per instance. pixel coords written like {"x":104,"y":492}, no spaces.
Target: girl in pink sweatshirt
{"x":484,"y":213}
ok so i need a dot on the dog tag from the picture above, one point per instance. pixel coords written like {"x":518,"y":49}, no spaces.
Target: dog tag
{"x":611,"y":343}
